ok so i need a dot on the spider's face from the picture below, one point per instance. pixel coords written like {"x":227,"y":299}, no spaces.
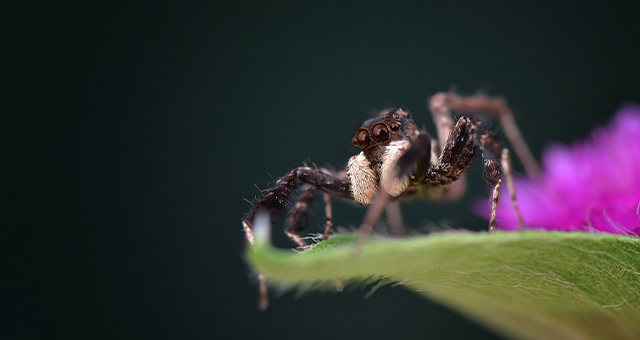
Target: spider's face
{"x":376,"y":133}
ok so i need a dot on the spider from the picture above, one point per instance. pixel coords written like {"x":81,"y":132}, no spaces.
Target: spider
{"x":399,"y":160}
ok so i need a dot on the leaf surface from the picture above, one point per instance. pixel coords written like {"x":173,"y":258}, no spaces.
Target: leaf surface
{"x":526,"y":285}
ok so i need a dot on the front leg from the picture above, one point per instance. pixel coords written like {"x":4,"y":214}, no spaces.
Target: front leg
{"x":468,"y":135}
{"x":279,"y":200}
{"x":302,"y":215}
{"x":398,"y":170}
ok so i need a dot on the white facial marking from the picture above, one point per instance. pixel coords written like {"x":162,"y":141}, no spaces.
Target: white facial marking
{"x":388,"y":172}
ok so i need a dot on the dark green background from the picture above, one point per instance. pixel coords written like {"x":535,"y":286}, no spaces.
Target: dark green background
{"x":134,"y":131}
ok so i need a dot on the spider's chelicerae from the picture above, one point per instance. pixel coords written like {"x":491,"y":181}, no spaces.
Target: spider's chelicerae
{"x":399,"y":160}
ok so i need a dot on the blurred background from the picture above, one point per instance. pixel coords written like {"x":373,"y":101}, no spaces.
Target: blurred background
{"x":133,"y":131}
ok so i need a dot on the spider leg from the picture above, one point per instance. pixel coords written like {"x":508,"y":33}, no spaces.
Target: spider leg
{"x":492,"y":176}
{"x":328,"y":213}
{"x":468,"y":135}
{"x":492,"y":150}
{"x":506,"y":168}
{"x":372,"y":217}
{"x":417,"y":156}
{"x":301,"y":216}
{"x":456,"y":157}
{"x":278,"y":201}
{"x":394,"y":217}
{"x":415,"y":159}
{"x":328,"y":206}
{"x":443,"y":104}
{"x":442,"y":113}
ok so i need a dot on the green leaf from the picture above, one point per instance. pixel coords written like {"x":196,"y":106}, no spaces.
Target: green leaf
{"x":526,"y":285}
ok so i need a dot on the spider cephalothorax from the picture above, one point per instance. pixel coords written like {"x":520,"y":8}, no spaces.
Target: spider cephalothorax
{"x":376,"y":133}
{"x":399,"y":160}
{"x":382,"y":140}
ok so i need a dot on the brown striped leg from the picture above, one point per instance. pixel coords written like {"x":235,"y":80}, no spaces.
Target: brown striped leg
{"x":447,"y":103}
{"x":459,"y":151}
{"x":492,"y":175}
{"x":441,"y":110}
{"x":506,"y":168}
{"x":278,"y":201}
{"x":489,"y":144}
{"x":394,"y":216}
{"x":302,"y":216}
{"x":328,"y":212}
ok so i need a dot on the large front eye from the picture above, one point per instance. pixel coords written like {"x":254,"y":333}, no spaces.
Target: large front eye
{"x":380,"y":133}
{"x":362,"y":137}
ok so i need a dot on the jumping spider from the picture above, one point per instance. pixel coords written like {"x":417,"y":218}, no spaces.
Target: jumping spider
{"x":404,"y":161}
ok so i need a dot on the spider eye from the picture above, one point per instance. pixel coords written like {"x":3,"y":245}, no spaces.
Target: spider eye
{"x":362,"y":137}
{"x":396,"y":116}
{"x":380,"y":133}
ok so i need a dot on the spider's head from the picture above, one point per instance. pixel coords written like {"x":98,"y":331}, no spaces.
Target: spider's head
{"x":376,"y":133}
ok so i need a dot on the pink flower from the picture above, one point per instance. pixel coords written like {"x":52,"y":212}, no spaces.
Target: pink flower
{"x":591,"y":186}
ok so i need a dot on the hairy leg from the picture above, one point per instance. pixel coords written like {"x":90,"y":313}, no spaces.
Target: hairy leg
{"x":416,"y":157}
{"x":494,"y":153}
{"x":442,"y":105}
{"x":441,"y":110}
{"x":302,"y":214}
{"x":279,"y":200}
{"x":468,"y":135}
